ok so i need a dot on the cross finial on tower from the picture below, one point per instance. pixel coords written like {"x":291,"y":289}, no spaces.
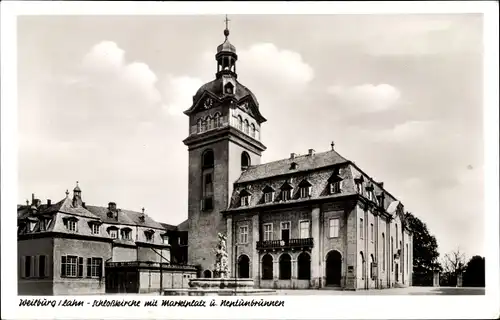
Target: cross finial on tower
{"x":143,"y":210}
{"x":226,"y":31}
{"x":333,"y":145}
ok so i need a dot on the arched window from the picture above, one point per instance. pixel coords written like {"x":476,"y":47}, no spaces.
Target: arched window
{"x":204,"y":125}
{"x":267,"y":267}
{"x":252,"y":130}
{"x":246,"y":126}
{"x":228,"y":89}
{"x":208,"y":159}
{"x":217,"y":120}
{"x":285,"y":267}
{"x":240,"y":123}
{"x":383,"y":251}
{"x":304,"y":264}
{"x":198,"y":125}
{"x":245,"y":160}
{"x":210,"y":123}
{"x":207,"y":274}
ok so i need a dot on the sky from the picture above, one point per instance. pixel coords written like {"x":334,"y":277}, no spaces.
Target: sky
{"x":100,"y":101}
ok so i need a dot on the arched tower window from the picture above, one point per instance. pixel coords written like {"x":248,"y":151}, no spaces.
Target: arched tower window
{"x":240,"y":123}
{"x":204,"y":125}
{"x":252,"y":130}
{"x":208,"y":159}
{"x":229,"y":88}
{"x":246,"y":126}
{"x":217,"y":120}
{"x":198,"y":126}
{"x":245,"y":160}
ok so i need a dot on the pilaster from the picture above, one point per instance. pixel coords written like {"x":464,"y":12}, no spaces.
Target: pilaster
{"x":255,"y":254}
{"x":315,"y":252}
{"x":229,"y":245}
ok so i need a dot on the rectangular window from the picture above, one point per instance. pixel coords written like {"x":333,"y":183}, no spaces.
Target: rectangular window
{"x":397,"y":236}
{"x":304,"y":230}
{"x":285,"y":195}
{"x":268,"y":232}
{"x":268,"y":197}
{"x":371,"y":232}
{"x":305,"y":192}
{"x":149,"y":236}
{"x":335,"y":187}
{"x":361,"y":229}
{"x":245,"y":201}
{"x":41,"y":266}
{"x":113,"y":233}
{"x":334,"y":228}
{"x":27,"y":267}
{"x":95,"y":228}
{"x":164,"y":239}
{"x":80,"y":267}
{"x":285,"y":231}
{"x":69,"y":266}
{"x":359,"y":188}
{"x":383,"y":251}
{"x":125,"y":234}
{"x":71,"y":225}
{"x":243,"y":234}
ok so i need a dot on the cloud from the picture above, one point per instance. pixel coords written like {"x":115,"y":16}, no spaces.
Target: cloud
{"x":366,"y":98}
{"x":179,"y":93}
{"x":406,"y":132}
{"x":281,"y":66}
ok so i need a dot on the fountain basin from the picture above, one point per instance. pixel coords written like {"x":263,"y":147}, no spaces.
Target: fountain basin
{"x":221,"y":283}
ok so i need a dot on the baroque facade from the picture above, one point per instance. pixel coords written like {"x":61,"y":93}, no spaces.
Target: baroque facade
{"x":308,"y":221}
{"x":70,"y":248}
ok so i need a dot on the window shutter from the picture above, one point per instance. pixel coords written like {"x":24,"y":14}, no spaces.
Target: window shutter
{"x":36,"y":269}
{"x":99,"y":270}
{"x":22,"y":273}
{"x":80,"y":267}
{"x":63,"y":266}
{"x":89,"y":267}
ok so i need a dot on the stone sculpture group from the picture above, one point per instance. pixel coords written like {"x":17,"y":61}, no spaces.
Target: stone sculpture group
{"x":221,"y":269}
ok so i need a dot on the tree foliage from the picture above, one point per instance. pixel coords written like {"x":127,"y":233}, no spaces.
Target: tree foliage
{"x":474,"y":275}
{"x":425,"y":251}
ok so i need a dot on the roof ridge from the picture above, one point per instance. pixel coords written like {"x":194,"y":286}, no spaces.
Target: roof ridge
{"x":297,"y":156}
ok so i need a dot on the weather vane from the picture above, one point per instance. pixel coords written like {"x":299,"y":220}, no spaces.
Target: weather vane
{"x":226,"y":31}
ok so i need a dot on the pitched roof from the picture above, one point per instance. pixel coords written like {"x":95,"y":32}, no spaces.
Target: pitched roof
{"x":125,"y":217}
{"x":282,"y":167}
{"x":168,"y":227}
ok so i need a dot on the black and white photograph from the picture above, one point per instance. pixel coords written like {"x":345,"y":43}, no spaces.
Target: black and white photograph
{"x":242,"y":155}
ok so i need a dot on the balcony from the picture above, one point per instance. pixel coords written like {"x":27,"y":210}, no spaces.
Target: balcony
{"x":304,"y":243}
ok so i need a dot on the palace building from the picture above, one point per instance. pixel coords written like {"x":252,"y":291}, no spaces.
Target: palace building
{"x":308,"y":221}
{"x":69,"y":248}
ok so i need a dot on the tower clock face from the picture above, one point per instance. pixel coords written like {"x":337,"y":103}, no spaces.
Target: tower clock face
{"x":208,"y":103}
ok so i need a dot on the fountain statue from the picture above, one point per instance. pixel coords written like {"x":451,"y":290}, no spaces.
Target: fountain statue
{"x":221,"y":264}
{"x":221,"y":284}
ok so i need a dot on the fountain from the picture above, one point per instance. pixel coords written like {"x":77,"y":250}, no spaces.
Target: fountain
{"x":221,"y":284}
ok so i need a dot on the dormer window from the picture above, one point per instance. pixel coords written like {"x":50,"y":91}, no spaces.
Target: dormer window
{"x":113,"y":232}
{"x":335,"y":182}
{"x":305,"y":189}
{"x":164,"y":238}
{"x":149,"y":235}
{"x":293,"y":165}
{"x":268,"y":194}
{"x":70,"y":224}
{"x":335,"y":187}
{"x":369,"y":191}
{"x":359,"y":184}
{"x":32,"y":225}
{"x":245,"y":198}
{"x":286,"y":191}
{"x":126,"y":234}
{"x":94,"y":227}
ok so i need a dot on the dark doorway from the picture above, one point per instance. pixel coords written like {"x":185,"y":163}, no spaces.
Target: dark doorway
{"x":396,"y":272}
{"x":285,"y":267}
{"x":207,"y":274}
{"x":244,"y":267}
{"x":304,"y":264}
{"x":267,"y":267}
{"x":333,"y":268}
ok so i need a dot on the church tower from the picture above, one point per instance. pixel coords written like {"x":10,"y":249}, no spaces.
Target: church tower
{"x":224,"y":139}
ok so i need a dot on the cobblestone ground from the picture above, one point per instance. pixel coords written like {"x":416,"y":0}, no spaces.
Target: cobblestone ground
{"x":393,"y":291}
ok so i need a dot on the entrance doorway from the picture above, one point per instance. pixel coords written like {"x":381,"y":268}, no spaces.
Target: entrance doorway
{"x":244,"y":267}
{"x":333,"y":268}
{"x":396,"y":272}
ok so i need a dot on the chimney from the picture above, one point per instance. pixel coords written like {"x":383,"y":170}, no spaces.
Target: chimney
{"x":83,"y":205}
{"x":381,"y":184}
{"x":49,"y":202}
{"x":38,"y":203}
{"x":311,"y":152}
{"x":292,"y":155}
{"x":32,"y":198}
{"x":112,"y":206}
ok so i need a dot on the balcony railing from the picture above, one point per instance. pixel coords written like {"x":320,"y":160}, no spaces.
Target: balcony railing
{"x":283,"y":244}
